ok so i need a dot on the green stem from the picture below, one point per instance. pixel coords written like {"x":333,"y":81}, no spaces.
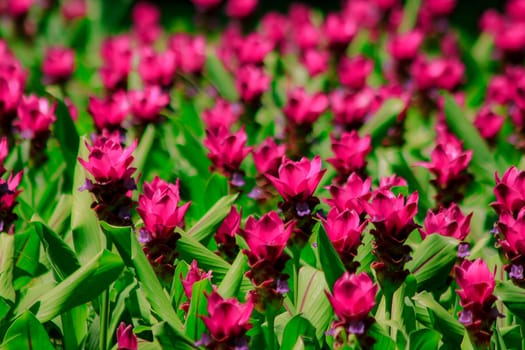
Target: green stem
{"x":296,"y":261}
{"x":104,"y":312}
{"x":389,"y":296}
{"x":270,"y":320}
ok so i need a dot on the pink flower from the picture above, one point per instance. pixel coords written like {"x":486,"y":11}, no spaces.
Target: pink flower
{"x":251,"y":82}
{"x":4,"y":151}
{"x":145,"y":14}
{"x":229,"y":227}
{"x":354,"y":71}
{"x":298,"y":180}
{"x":73,"y":9}
{"x":228,"y":319}
{"x":116,"y":54}
{"x":339,"y":29}
{"x":513,"y":231}
{"x":500,"y":90}
{"x":147,"y":104}
{"x":274,"y":27}
{"x":405,"y":46}
{"x":440,"y":7}
{"x":302,"y":108}
{"x":126,"y":339}
{"x":108,"y":161}
{"x":515,"y":9}
{"x":59,"y":64}
{"x":266,"y":237}
{"x":510,"y":192}
{"x":268,"y":157}
{"x":157,"y":68}
{"x":227,"y":150}
{"x":491,"y":21}
{"x":11,"y":92}
{"x":511,"y":37}
{"x":158,"y":208}
{"x":488,"y":123}
{"x":240,"y":8}
{"x":306,"y":35}
{"x":194,"y":275}
{"x":450,"y":222}
{"x":35,"y":116}
{"x":438,"y":73}
{"x":109,"y":113}
{"x":223,"y":115}
{"x":18,"y":8}
{"x":8,"y":194}
{"x":352,"y":110}
{"x":190,"y":52}
{"x":315,"y":61}
{"x":254,"y":48}
{"x":344,"y":229}
{"x":352,"y":195}
{"x":205,"y":5}
{"x":352,"y":300}
{"x":476,"y":283}
{"x":350,"y":153}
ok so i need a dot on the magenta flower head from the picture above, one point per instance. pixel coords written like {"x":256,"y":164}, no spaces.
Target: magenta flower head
{"x":18,"y":8}
{"x":350,"y":153}
{"x":352,"y":300}
{"x":351,"y":195}
{"x":146,"y":22}
{"x":253,"y":49}
{"x":351,"y":110}
{"x":251,"y":82}
{"x":116,"y":54}
{"x":438,"y":73}
{"x":8,"y":194}
{"x":489,"y":123}
{"x":354,"y":71}
{"x":4,"y":152}
{"x":206,"y":5}
{"x":450,"y":222}
{"x":240,"y":8}
{"x":224,"y":114}
{"x":339,"y":30}
{"x":109,"y":113}
{"x":268,"y":157}
{"x":225,"y":235}
{"x":440,"y":7}
{"x":74,"y":9}
{"x":59,"y":64}
{"x":195,"y":274}
{"x":35,"y":117}
{"x":477,"y":285}
{"x":511,"y":237}
{"x":227,"y":151}
{"x":227,"y":322}
{"x":190,"y":52}
{"x":266,"y":239}
{"x":306,"y":36}
{"x":344,"y":230}
{"x":510,"y":192}
{"x":302,"y":108}
{"x":147,"y":104}
{"x":126,"y":339}
{"x":109,"y":164}
{"x":157,"y":68}
{"x":11,"y":91}
{"x":315,"y":61}
{"x":405,"y":47}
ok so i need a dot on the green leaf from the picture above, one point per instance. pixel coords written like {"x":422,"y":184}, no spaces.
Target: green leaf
{"x":143,"y":150}
{"x":432,"y":261}
{"x":232,"y":280}
{"x":383,"y":340}
{"x":198,"y":306}
{"x":221,"y":79}
{"x":512,"y":296}
{"x":410,"y":12}
{"x":377,"y":127}
{"x":424,"y":339}
{"x":168,"y":339}
{"x":68,"y":139}
{"x":209,"y":222}
{"x":84,"y":285}
{"x":26,"y":333}
{"x":27,"y":251}
{"x":63,"y":260}
{"x":7,"y":250}
{"x":299,"y":328}
{"x":74,"y":327}
{"x":332,"y":265}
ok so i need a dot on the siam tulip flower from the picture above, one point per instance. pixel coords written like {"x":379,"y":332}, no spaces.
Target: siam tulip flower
{"x":354,"y":71}
{"x":306,"y":36}
{"x":253,"y":49}
{"x":489,"y":123}
{"x":72,"y":109}
{"x":19,"y":8}
{"x":339,"y":30}
{"x":437,"y":73}
{"x":206,"y":5}
{"x":11,"y":92}
{"x":440,"y":7}
{"x":227,"y":151}
{"x":364,"y":13}
{"x":350,"y":154}
{"x":393,"y":220}
{"x":223,"y":115}
{"x":74,"y":9}
{"x":514,"y":9}
{"x":302,"y":108}
{"x":109,"y":164}
{"x":352,"y":110}
{"x":344,"y":229}
{"x":240,"y":9}
{"x":266,"y":239}
{"x":109,"y":113}
{"x":251,"y":82}
{"x":449,"y":163}
{"x":227,"y":323}
{"x":386,"y":5}
{"x":491,"y":22}
{"x":11,"y":69}
{"x":190,"y":52}
{"x":59,"y":64}
{"x":300,"y":13}
{"x":230,"y":41}
{"x":510,"y":192}
{"x":450,"y":222}
{"x":511,"y":40}
{"x":126,"y":339}
{"x":35,"y":117}
{"x":268,"y":157}
{"x":157,"y":68}
{"x":146,"y":105}
{"x":146,"y":22}
{"x":352,"y":300}
{"x":405,"y":47}
{"x":116,"y":54}
{"x":274,"y":27}
{"x":194,"y":275}
{"x":477,"y":285}
{"x":225,"y":235}
{"x":352,"y":195}
{"x":315,"y":61}
{"x":4,"y":151}
{"x":8,"y":194}
{"x":500,"y":90}
{"x":510,"y":234}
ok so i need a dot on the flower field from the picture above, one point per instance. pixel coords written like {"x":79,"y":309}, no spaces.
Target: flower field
{"x":233,"y":177}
